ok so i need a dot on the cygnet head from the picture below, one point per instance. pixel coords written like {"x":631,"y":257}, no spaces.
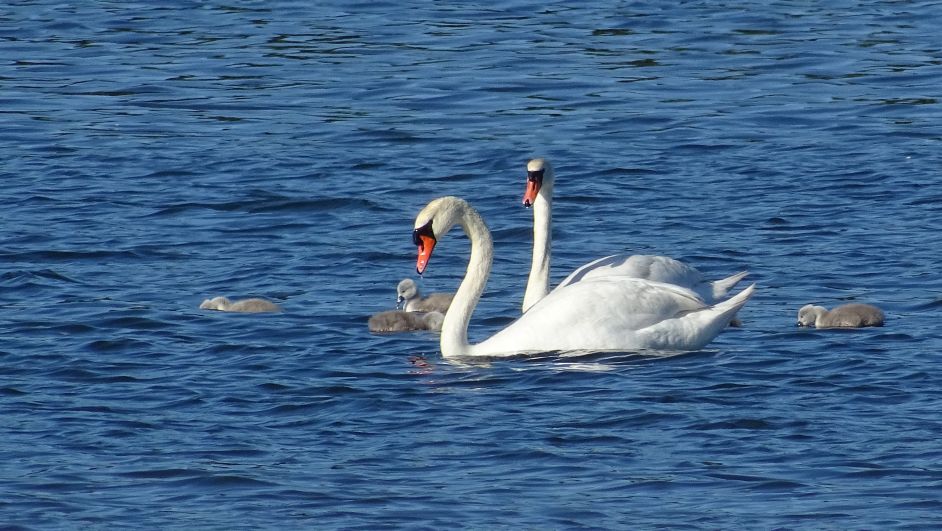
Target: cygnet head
{"x":216,"y":303}
{"x":539,"y":177}
{"x":406,"y":290}
{"x":808,"y":314}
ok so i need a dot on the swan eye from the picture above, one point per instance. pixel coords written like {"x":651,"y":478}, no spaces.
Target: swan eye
{"x":424,"y":230}
{"x":534,"y":183}
{"x":535,"y":176}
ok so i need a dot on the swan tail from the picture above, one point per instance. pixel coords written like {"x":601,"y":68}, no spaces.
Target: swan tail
{"x":695,"y":329}
{"x":724,"y":313}
{"x":722,"y":286}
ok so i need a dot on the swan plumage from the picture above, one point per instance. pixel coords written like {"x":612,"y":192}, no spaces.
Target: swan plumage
{"x":853,"y":315}
{"x":405,"y":321}
{"x":244,"y":306}
{"x":601,"y":313}
{"x":539,"y":194}
{"x":410,"y":299}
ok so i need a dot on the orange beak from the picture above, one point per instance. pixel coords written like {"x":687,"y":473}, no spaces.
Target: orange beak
{"x":533,"y":188}
{"x":426,"y":244}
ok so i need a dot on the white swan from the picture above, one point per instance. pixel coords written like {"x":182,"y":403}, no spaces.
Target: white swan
{"x":411,"y":300}
{"x":852,"y":315}
{"x":539,"y":194}
{"x":603,"y":313}
{"x":244,"y":306}
{"x":405,"y":321}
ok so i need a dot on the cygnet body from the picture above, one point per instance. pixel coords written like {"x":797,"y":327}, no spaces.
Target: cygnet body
{"x":411,"y":300}
{"x":852,"y":315}
{"x":405,"y":321}
{"x":245,"y":306}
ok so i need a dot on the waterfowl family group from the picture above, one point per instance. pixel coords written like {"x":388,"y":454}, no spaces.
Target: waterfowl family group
{"x":617,"y":302}
{"x":614,"y":303}
{"x":604,"y":312}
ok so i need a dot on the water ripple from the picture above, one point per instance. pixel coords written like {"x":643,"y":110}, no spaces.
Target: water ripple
{"x":165,"y":154}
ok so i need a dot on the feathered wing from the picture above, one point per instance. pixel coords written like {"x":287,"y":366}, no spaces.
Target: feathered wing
{"x":436,"y":302}
{"x":539,"y":193}
{"x":611,"y":312}
{"x":657,"y":269}
{"x":614,"y":313}
{"x":405,"y":321}
{"x":722,"y":287}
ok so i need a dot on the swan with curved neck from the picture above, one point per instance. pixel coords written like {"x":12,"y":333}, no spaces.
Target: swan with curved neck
{"x":539,"y":195}
{"x":596,"y":314}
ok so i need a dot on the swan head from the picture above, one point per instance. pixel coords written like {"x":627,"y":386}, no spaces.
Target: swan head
{"x":406,"y":290}
{"x":539,"y":173}
{"x":433,"y":222}
{"x":216,"y":303}
{"x":808,"y":314}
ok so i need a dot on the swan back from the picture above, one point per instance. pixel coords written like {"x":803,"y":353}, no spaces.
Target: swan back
{"x":243,"y":306}
{"x":435,"y":302}
{"x":853,"y":315}
{"x":658,"y":269}
{"x":654,"y":268}
{"x":616,"y":313}
{"x":404,"y":321}
{"x":254,"y":306}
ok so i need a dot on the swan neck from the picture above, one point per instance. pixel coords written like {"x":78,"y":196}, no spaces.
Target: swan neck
{"x":454,"y":338}
{"x":539,"y":279}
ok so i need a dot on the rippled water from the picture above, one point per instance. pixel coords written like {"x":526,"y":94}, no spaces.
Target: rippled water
{"x":155,"y":154}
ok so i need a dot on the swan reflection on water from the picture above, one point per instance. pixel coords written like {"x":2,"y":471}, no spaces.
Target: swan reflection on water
{"x":563,"y":361}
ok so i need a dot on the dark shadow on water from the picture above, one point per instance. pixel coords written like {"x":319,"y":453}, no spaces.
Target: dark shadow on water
{"x":578,"y":360}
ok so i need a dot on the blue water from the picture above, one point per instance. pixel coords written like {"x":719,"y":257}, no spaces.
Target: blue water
{"x":158,"y":153}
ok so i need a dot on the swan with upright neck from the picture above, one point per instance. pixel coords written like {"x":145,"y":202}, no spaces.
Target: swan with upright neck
{"x":596,"y":314}
{"x":539,"y":195}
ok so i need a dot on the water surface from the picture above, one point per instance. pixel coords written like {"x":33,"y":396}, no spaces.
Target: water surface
{"x":157,"y":155}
